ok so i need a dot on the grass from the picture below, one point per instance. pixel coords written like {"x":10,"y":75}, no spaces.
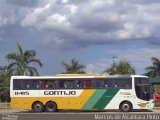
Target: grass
{"x":4,"y":105}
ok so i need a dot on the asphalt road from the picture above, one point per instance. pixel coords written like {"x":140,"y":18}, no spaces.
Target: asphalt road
{"x":80,"y":115}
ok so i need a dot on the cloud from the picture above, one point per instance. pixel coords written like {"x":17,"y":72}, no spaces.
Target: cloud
{"x":23,"y":3}
{"x":139,"y":58}
{"x":102,"y":22}
{"x":75,"y":25}
{"x":50,"y":16}
{"x":3,"y":21}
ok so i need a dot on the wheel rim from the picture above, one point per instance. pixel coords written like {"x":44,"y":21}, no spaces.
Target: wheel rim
{"x":125,"y":107}
{"x":38,"y":107}
{"x":51,"y":108}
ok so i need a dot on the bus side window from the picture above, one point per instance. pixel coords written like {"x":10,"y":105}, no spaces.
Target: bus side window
{"x":77,"y":84}
{"x":51,"y":84}
{"x":37,"y":86}
{"x":109,"y":83}
{"x":33,"y":84}
{"x":115,"y":85}
{"x":69,"y":84}
{"x":82,"y":84}
{"x":88,"y":84}
{"x":99,"y":83}
{"x":28,"y":84}
{"x":65,"y":84}
{"x":124,"y":83}
{"x":16,"y":84}
{"x":61,"y":84}
{"x":42,"y":84}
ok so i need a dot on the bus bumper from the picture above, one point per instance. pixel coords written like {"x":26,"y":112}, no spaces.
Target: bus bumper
{"x":151,"y":104}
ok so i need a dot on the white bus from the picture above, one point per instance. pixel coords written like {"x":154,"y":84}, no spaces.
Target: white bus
{"x":81,"y":91}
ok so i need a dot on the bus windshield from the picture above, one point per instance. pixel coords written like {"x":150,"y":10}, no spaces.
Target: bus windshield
{"x":143,"y":88}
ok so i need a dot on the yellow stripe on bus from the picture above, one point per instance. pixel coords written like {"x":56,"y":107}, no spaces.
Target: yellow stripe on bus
{"x":62,"y":102}
{"x":78,"y":102}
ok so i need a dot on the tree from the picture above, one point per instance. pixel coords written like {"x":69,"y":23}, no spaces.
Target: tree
{"x":122,"y":68}
{"x":4,"y":84}
{"x":20,"y":62}
{"x":154,"y":69}
{"x":73,"y":67}
{"x":3,"y":70}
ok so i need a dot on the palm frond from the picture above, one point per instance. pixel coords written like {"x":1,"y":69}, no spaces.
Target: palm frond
{"x":32,"y":71}
{"x":19,"y":49}
{"x":37,"y":61}
{"x":11,"y":57}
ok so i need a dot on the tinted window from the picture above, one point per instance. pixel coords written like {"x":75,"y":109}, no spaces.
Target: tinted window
{"x":66,"y":84}
{"x":69,"y":84}
{"x":19,"y":84}
{"x":99,"y":83}
{"x":123,"y":82}
{"x":47,"y":84}
{"x":16,"y":84}
{"x":88,"y":84}
{"x":110,"y":83}
{"x":113,"y":83}
{"x":51,"y":84}
{"x":79,"y":84}
{"x":84,"y":83}
{"x":142,"y":81}
{"x":33,"y":84}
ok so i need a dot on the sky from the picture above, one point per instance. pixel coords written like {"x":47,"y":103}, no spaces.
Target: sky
{"x":92,"y":31}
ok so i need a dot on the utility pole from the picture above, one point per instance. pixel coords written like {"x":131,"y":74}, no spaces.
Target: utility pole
{"x":114,"y":58}
{"x":114,"y":63}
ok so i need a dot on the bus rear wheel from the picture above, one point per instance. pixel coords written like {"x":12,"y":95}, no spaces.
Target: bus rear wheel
{"x":38,"y":107}
{"x":125,"y":106}
{"x":51,"y":107}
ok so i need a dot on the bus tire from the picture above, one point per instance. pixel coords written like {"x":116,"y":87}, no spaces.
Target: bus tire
{"x":38,"y":107}
{"x":51,"y":107}
{"x":125,"y":106}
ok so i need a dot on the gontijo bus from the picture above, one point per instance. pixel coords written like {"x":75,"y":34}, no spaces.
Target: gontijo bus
{"x":81,"y":91}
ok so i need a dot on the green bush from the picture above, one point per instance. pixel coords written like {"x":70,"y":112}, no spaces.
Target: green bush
{"x":4,"y":89}
{"x":157,"y":104}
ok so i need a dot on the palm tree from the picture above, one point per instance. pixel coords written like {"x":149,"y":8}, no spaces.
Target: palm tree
{"x":73,"y":67}
{"x":20,"y":62}
{"x":154,"y":69}
{"x":3,"y":70}
{"x":122,"y":68}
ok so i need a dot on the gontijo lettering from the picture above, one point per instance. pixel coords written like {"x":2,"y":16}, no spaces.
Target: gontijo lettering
{"x":59,"y":92}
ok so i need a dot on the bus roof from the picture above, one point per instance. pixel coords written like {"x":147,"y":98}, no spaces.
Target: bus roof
{"x":77,"y":76}
{"x":62,"y":76}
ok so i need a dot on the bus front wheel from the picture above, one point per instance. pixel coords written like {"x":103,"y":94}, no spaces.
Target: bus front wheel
{"x":125,"y":106}
{"x":38,"y":107}
{"x":51,"y":107}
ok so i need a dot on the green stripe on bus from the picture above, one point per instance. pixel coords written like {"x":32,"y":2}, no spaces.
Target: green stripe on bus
{"x":105,"y":99}
{"x":94,"y":99}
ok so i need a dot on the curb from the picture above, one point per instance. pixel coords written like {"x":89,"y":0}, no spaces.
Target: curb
{"x":156,"y":108}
